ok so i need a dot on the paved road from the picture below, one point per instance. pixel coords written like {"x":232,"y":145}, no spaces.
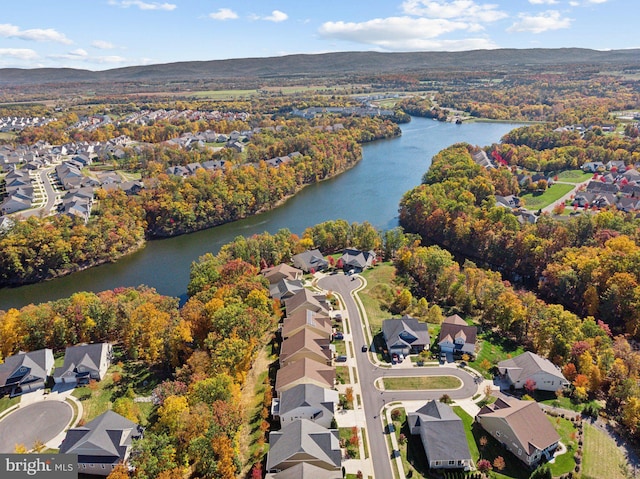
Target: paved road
{"x":50,"y":194}
{"x":373,"y":400}
{"x":41,"y":421}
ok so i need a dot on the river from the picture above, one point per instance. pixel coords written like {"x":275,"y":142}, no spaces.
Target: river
{"x":370,"y":191}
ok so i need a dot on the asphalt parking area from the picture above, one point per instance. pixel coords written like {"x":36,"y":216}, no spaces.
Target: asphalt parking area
{"x":41,"y":421}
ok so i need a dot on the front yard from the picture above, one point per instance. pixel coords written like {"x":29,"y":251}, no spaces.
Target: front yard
{"x":124,"y":381}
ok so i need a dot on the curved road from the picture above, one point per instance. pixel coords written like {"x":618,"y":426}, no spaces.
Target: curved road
{"x":373,"y":400}
{"x":41,"y":421}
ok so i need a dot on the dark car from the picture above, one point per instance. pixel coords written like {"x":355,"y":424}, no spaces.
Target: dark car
{"x":365,"y":348}
{"x":341,"y":359}
{"x":338,"y":335}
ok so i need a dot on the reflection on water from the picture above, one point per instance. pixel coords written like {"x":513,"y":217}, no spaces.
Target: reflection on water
{"x":371,"y":191}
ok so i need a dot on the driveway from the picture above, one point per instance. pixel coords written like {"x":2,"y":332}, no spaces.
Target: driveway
{"x":373,"y":400}
{"x":41,"y":421}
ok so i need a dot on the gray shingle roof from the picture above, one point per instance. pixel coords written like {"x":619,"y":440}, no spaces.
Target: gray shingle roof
{"x":406,"y":330}
{"x":526,"y":365}
{"x":82,"y":356}
{"x":305,"y":471}
{"x":108,"y":436}
{"x":304,"y":437}
{"x":444,"y":438}
{"x":308,"y":395}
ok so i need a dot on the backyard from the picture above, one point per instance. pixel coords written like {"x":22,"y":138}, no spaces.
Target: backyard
{"x":538,"y":200}
{"x":602,"y":458}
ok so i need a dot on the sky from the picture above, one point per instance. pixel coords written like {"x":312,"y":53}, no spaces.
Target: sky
{"x":104,"y":34}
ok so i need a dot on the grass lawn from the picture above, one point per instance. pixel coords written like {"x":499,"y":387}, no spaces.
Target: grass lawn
{"x":549,"y":398}
{"x":421,"y":383}
{"x":602,"y":458}
{"x":345,"y":434}
{"x":494,"y":348}
{"x":467,"y":422}
{"x":537,"y":200}
{"x":514,"y":468}
{"x":341,"y":347}
{"x":565,"y":462}
{"x":136,"y":379}
{"x":6,"y":402}
{"x":379,"y":280}
{"x":574,"y":176}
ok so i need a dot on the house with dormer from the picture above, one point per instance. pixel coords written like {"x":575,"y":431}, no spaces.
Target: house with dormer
{"x":83,"y":363}
{"x":405,"y":335}
{"x":310,"y":260}
{"x":25,"y":372}
{"x":457,"y":337}
{"x":306,"y":401}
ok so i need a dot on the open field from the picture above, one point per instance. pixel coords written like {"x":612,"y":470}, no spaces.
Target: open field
{"x":574,"y":176}
{"x":378,"y":280}
{"x":535,"y":201}
{"x":602,"y":458}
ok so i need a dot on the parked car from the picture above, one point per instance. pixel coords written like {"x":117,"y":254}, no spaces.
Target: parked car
{"x":338,"y":336}
{"x":338,"y":317}
{"x":395,"y":358}
{"x":341,"y":359}
{"x":364,"y":348}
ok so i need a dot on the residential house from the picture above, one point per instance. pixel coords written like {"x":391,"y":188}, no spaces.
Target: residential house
{"x":319,"y":322}
{"x":310,"y":260}
{"x":405,"y":335}
{"x":304,"y":299}
{"x":306,"y":401}
{"x":84,"y":362}
{"x":285,"y":288}
{"x":305,"y":344}
{"x":541,"y":373}
{"x":457,"y":337}
{"x":443,"y":436}
{"x":600,"y":187}
{"x":305,"y":371}
{"x":280,"y":272}
{"x":521,"y":427}
{"x":25,"y":372}
{"x":304,"y":470}
{"x":510,"y":201}
{"x":353,"y":259}
{"x":102,"y":444}
{"x":482,"y":159}
{"x":616,"y":165}
{"x":304,"y":441}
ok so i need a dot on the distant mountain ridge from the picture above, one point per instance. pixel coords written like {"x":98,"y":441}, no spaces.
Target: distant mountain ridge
{"x":317,"y":65}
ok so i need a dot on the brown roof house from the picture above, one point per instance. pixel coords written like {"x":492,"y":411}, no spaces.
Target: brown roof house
{"x":305,"y":344}
{"x":25,"y":372}
{"x":542,"y":373}
{"x":304,"y":441}
{"x":443,"y":436}
{"x":305,"y":371}
{"x":405,"y":335}
{"x":304,"y":299}
{"x":457,"y":337}
{"x":280,"y":272}
{"x":306,"y":319}
{"x":521,"y":427}
{"x":102,"y":443}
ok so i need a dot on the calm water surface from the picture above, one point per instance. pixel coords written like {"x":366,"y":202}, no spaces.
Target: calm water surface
{"x":371,"y":191}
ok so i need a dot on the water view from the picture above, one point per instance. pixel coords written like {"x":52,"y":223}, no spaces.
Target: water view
{"x":370,"y":191}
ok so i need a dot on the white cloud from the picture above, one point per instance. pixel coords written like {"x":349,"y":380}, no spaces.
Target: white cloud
{"x":405,"y":33}
{"x":143,"y":5}
{"x":543,"y":2}
{"x":545,"y":21}
{"x":276,"y":16}
{"x":574,"y":4}
{"x":19,"y":53}
{"x":102,"y":45}
{"x":224,"y":14}
{"x":456,"y":9}
{"x":35,"y":34}
{"x":79,"y":53}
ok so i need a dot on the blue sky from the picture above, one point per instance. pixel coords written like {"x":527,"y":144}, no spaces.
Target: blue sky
{"x":102,"y":34}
